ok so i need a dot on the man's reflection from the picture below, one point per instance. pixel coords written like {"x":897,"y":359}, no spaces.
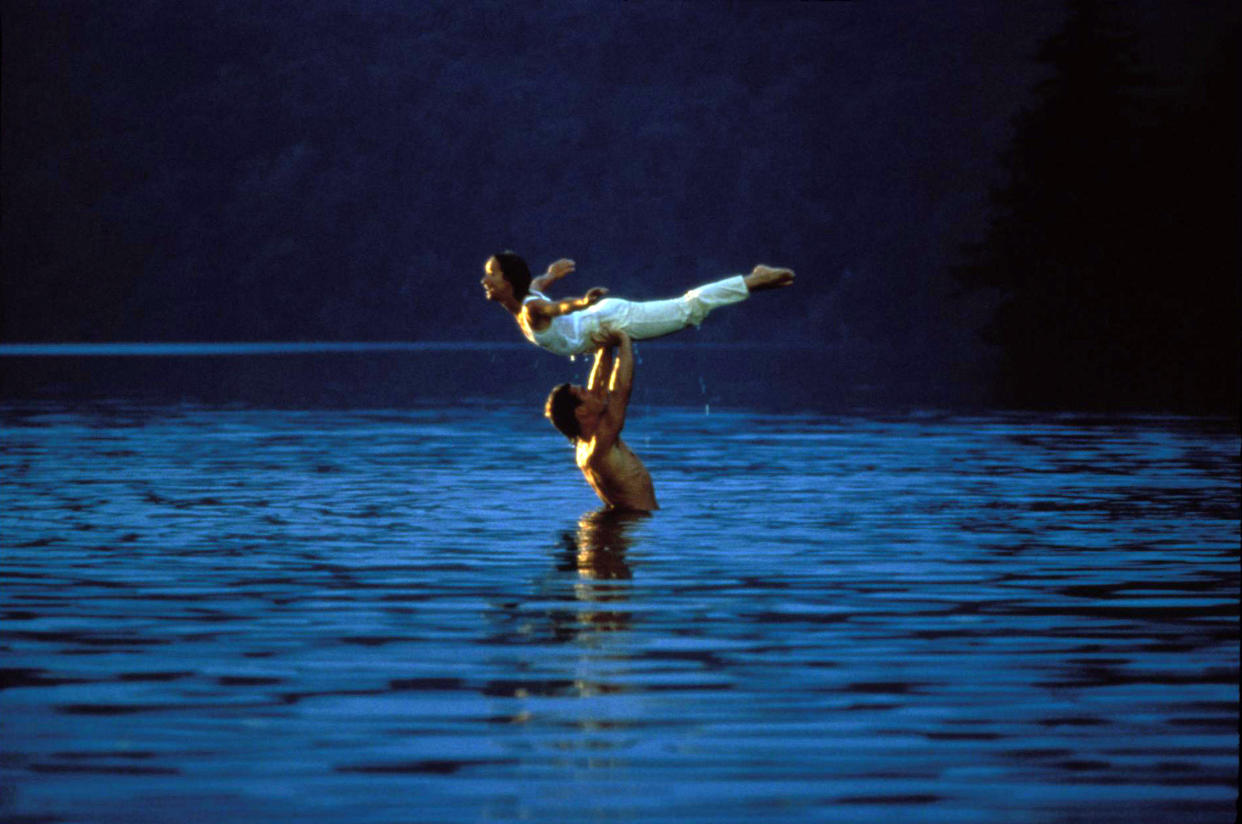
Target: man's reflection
{"x":582,"y":604}
{"x":596,"y":551}
{"x":597,"y":548}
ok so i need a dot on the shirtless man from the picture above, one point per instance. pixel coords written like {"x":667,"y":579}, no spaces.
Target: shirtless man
{"x":592,"y":418}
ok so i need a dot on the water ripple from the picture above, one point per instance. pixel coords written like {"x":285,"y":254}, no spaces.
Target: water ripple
{"x":378,"y":615}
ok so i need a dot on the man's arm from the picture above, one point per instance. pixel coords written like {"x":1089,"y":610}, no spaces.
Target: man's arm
{"x":619,"y":388}
{"x":602,"y":369}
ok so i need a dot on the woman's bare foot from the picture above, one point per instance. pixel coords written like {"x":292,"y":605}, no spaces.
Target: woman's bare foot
{"x":768,"y":277}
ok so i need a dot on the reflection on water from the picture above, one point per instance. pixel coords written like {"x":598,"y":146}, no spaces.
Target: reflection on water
{"x":381,"y":615}
{"x":600,"y":542}
{"x":598,"y":555}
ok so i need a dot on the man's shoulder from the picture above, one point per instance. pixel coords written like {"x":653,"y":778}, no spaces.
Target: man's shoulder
{"x":590,"y":450}
{"x":586,"y":451}
{"x":598,"y":452}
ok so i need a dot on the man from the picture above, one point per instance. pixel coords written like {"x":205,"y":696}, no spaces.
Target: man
{"x":592,"y":418}
{"x":575,"y":326}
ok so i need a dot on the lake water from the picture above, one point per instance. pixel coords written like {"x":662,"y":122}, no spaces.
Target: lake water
{"x":323,"y":587}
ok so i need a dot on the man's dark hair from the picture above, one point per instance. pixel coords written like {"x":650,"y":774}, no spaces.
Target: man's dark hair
{"x":560,"y":410}
{"x":514,"y":270}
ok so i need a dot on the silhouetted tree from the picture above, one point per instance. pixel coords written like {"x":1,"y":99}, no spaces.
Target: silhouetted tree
{"x":1107,"y":242}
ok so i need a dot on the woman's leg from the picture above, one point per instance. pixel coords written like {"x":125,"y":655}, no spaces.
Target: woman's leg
{"x":643,"y":320}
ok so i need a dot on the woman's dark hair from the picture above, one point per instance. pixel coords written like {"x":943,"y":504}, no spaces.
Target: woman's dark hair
{"x":514,"y":270}
{"x":560,"y":410}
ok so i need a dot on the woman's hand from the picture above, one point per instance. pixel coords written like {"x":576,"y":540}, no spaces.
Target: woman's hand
{"x":560,"y":268}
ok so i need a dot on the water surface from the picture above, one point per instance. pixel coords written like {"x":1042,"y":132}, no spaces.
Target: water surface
{"x":263,"y":610}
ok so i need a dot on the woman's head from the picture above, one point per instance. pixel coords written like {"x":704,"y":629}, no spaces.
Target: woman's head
{"x":515,"y":271}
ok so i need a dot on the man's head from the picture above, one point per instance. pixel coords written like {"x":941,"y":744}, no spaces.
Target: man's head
{"x":506,"y":268}
{"x":562,"y":410}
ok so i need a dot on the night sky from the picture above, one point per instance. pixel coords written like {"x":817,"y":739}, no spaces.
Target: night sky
{"x":340,"y":171}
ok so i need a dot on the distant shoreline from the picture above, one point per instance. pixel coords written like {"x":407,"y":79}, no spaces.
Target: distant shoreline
{"x":190,"y":349}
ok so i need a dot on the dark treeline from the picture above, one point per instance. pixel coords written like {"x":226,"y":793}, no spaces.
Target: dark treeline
{"x":1114,"y":243}
{"x":324,"y":171}
{"x":331,"y":171}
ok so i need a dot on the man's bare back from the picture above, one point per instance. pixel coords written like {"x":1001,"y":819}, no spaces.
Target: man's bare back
{"x":592,"y":416}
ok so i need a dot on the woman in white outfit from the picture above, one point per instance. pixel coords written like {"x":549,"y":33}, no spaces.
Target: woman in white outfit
{"x":574,"y":326}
